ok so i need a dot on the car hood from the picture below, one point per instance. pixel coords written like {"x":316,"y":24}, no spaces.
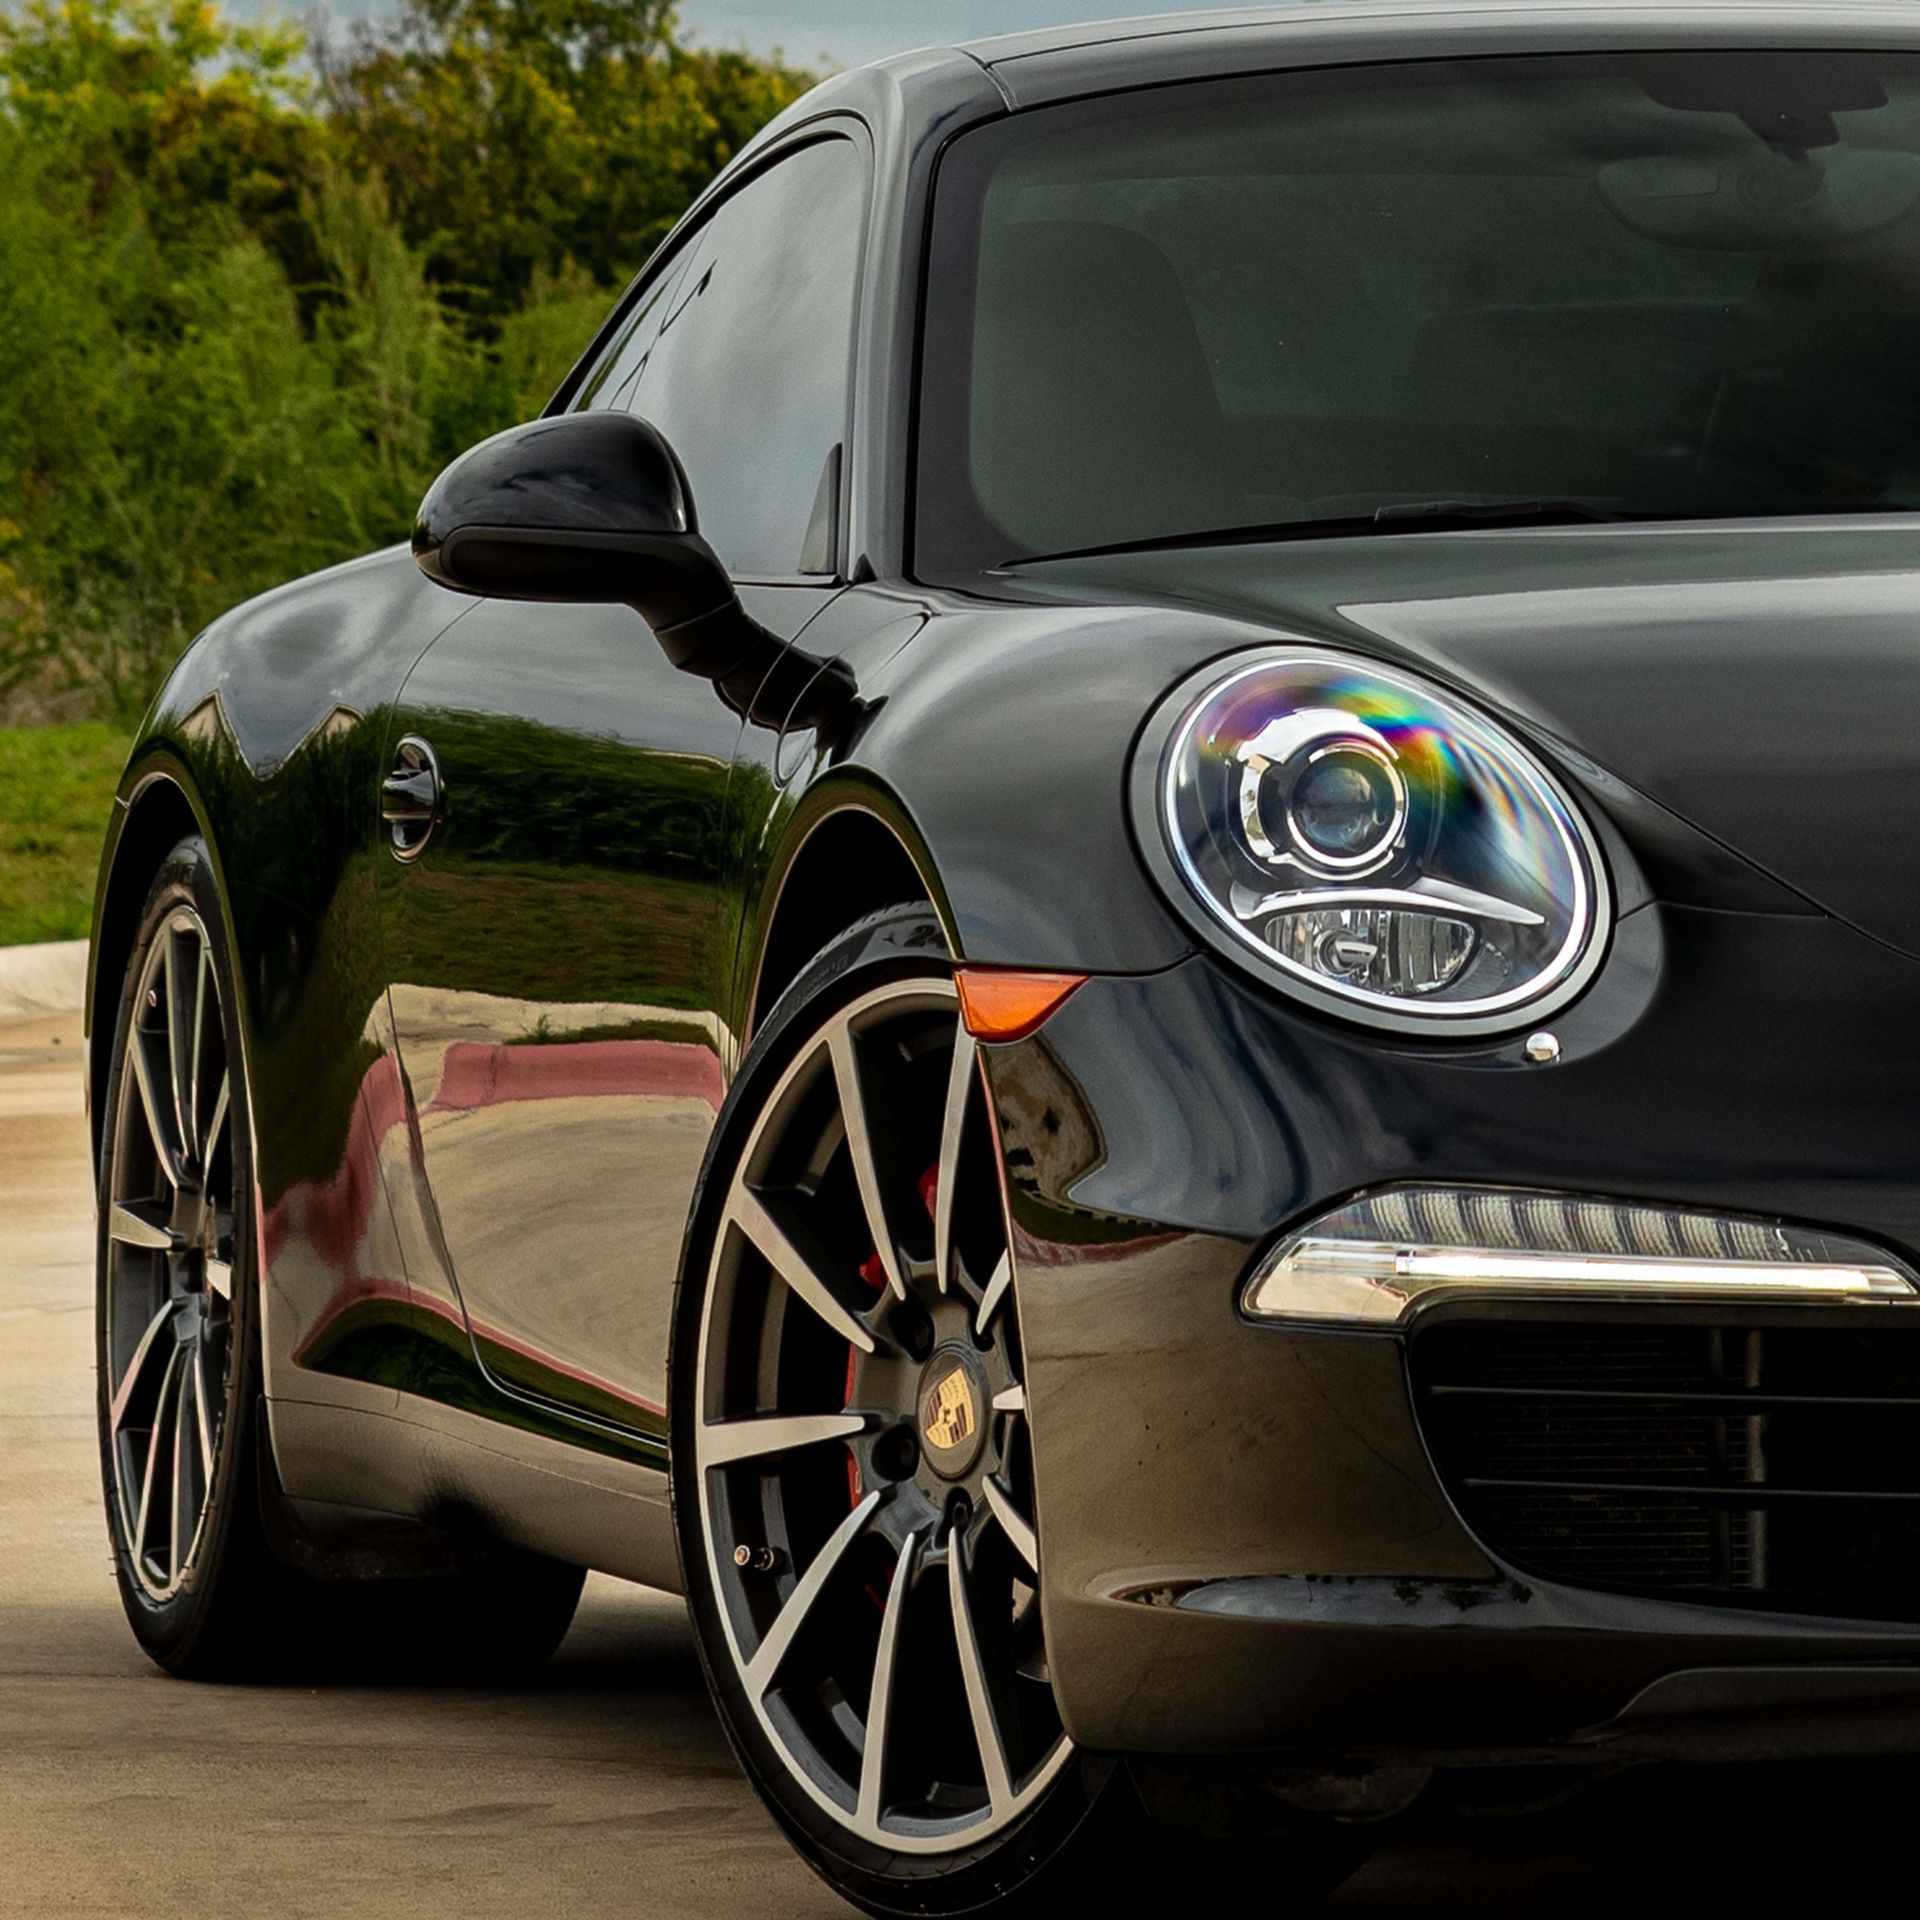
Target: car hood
{"x":1762,"y":682}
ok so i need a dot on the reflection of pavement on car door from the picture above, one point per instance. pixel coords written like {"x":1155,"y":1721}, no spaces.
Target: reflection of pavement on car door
{"x":551,"y":1132}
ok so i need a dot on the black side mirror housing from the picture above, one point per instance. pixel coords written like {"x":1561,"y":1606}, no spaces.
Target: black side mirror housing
{"x":593,"y":508}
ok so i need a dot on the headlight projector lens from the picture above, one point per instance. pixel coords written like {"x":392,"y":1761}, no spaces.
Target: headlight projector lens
{"x":1370,"y":842}
{"x":1348,"y":805}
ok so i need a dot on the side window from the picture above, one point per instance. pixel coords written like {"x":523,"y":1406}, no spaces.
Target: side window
{"x":610,"y":384}
{"x":748,"y":370}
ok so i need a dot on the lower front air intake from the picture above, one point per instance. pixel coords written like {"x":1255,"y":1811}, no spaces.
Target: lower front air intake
{"x":1776,"y":1465}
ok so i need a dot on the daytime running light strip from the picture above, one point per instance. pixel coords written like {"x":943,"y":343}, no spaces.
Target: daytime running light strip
{"x":1381,"y":1284}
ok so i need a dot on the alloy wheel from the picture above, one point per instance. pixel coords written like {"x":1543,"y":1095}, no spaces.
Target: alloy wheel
{"x":167,"y":1329}
{"x":861,"y":1442}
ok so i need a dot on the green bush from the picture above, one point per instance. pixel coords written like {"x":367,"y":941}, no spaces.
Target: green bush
{"x":253,"y":294}
{"x":56,"y":791}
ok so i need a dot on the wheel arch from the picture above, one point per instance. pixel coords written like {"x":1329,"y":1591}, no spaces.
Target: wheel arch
{"x":847,"y":860}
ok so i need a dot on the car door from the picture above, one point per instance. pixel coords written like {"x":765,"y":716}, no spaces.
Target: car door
{"x":558,"y":937}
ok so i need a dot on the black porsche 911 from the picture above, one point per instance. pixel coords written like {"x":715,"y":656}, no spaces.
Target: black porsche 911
{"x":1130,"y":942}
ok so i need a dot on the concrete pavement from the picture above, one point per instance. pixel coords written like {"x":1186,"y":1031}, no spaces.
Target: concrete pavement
{"x":49,"y":978}
{"x":605,"y":1788}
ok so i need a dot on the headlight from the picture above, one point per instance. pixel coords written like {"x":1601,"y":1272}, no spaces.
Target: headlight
{"x":1371,"y":843}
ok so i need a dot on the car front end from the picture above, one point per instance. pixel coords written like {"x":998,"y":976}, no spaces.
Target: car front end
{"x":1557,"y":1487}
{"x":1466,"y":1219}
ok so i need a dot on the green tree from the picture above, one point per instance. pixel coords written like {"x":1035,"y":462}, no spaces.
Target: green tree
{"x":200,"y":116}
{"x":250,"y":301}
{"x":522,"y":135}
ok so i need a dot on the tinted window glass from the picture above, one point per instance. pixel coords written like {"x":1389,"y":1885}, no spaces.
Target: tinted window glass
{"x":1664,"y":285}
{"x":747,"y":370}
{"x":611,"y":381}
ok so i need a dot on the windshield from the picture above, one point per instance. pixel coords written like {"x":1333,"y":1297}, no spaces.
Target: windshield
{"x":1578,"y":287}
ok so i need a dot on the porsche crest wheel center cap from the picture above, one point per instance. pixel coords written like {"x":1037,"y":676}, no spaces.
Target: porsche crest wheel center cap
{"x":952,"y":1411}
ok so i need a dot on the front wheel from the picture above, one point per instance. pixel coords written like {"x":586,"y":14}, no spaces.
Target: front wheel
{"x":853,"y":1468}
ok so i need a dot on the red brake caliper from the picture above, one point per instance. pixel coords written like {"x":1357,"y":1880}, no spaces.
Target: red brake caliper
{"x":873,"y":1271}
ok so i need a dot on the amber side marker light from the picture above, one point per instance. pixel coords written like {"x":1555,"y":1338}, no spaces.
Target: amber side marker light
{"x":998,"y":1003}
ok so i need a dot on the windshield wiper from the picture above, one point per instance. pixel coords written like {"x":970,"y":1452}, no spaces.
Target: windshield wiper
{"x":1423,"y":516}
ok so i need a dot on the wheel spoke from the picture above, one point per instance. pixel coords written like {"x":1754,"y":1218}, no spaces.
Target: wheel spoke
{"x":154,"y":1436}
{"x":752,"y":1218}
{"x":953,"y":1128}
{"x":219,"y":1277}
{"x":165,"y":1144}
{"x":182,"y":990}
{"x":860,"y":1147}
{"x":202,"y":1143}
{"x":179,"y":1483}
{"x":1011,"y":1399}
{"x":202,"y":1417}
{"x":787,"y":1623}
{"x":722,"y":1442}
{"x":137,"y":1367}
{"x":140,"y":1223}
{"x":973,"y":1670}
{"x":995,"y":1293}
{"x":886,"y":1661}
{"x":1013,"y":1523}
{"x":217,"y":1120}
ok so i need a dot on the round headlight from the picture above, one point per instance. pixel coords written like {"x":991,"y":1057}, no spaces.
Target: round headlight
{"x":1370,"y":842}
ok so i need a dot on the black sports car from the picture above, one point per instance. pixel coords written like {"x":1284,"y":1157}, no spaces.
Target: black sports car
{"x":1130,"y":942}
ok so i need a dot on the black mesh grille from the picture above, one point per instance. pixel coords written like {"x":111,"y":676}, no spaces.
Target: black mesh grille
{"x":1777,"y":1465}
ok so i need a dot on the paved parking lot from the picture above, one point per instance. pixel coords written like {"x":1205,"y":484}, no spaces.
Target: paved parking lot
{"x":606,"y":1788}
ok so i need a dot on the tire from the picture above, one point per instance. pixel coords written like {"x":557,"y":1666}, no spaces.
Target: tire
{"x":834,"y":1612}
{"x":185,"y":1454}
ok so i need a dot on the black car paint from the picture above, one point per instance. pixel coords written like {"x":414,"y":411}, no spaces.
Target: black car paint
{"x":1246,"y":1540}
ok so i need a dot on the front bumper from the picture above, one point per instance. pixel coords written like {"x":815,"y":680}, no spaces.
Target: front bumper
{"x":1248,"y":1546}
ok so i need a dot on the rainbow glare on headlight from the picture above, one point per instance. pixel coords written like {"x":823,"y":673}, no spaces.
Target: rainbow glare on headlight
{"x":1470,"y":895}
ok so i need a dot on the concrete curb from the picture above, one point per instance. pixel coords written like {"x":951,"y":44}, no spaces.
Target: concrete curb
{"x":48,"y":978}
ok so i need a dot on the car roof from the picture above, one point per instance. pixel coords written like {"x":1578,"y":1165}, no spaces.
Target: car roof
{"x":1051,"y":64}
{"x":1147,"y":25}
{"x":1057,"y":63}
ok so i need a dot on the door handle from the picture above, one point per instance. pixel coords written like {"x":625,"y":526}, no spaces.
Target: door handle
{"x":411,"y":797}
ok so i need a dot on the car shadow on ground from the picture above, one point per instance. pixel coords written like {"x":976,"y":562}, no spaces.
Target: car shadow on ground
{"x":1761,"y":1840}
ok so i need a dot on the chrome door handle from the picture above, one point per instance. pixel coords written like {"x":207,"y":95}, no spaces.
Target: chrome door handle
{"x":411,"y":797}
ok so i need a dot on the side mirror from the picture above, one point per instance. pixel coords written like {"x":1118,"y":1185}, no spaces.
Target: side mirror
{"x":593,"y":508}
